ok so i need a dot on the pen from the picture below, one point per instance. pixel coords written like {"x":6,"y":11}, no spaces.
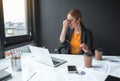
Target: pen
{"x":31,"y":76}
{"x":114,"y":61}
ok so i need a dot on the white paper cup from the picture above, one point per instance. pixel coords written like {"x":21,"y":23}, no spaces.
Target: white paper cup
{"x":98,"y":54}
{"x":88,"y":60}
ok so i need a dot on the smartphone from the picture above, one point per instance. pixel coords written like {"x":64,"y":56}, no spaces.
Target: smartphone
{"x":72,"y":69}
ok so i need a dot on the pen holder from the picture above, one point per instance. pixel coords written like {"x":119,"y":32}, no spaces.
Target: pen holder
{"x":16,"y":63}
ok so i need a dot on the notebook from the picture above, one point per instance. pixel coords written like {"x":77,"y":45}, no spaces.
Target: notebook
{"x":42,"y":55}
{"x":112,"y":78}
{"x":4,"y":75}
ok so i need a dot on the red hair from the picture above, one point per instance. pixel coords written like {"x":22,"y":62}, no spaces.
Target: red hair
{"x":75,"y":13}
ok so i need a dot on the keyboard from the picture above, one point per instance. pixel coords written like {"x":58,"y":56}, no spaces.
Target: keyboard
{"x":55,"y":62}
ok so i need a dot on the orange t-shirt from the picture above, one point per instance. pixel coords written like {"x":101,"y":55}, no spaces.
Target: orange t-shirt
{"x":75,"y":43}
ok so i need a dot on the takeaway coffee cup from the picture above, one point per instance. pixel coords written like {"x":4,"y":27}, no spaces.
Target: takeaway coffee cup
{"x":88,"y":60}
{"x":16,"y":63}
{"x":98,"y":54}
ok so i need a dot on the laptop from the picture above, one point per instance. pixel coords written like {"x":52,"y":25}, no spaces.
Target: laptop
{"x":42,"y":55}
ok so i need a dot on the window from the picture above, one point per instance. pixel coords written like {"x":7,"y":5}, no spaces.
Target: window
{"x":17,"y":28}
{"x":15,"y":17}
{"x":16,"y":24}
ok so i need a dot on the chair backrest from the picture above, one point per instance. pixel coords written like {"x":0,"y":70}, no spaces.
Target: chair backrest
{"x":60,"y":49}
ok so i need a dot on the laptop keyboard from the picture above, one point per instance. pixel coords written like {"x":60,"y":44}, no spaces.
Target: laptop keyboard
{"x":55,"y":62}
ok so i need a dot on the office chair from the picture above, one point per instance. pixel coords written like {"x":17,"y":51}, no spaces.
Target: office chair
{"x":59,"y":50}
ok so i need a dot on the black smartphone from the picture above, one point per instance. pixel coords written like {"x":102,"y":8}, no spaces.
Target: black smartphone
{"x":72,"y":69}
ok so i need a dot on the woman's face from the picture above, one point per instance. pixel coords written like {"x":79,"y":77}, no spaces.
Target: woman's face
{"x":72,"y":21}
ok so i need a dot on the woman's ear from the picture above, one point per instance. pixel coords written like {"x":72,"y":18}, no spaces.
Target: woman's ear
{"x":79,"y":19}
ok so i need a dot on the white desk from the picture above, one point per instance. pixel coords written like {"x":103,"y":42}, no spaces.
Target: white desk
{"x":47,"y":73}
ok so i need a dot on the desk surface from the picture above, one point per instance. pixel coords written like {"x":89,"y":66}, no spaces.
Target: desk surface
{"x":42,"y":72}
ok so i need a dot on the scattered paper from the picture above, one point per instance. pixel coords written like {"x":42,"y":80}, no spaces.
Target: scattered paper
{"x":79,"y":77}
{"x":116,"y":73}
{"x":112,"y":60}
{"x":101,"y":67}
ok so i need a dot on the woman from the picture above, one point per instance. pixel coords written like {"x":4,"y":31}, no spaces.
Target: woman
{"x":75,"y":38}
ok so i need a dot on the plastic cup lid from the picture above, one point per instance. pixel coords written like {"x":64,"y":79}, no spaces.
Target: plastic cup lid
{"x":88,"y":54}
{"x":99,"y":49}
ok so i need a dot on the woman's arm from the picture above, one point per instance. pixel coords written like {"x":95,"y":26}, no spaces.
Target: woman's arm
{"x":63,"y":32}
{"x":85,"y":48}
{"x":88,"y":46}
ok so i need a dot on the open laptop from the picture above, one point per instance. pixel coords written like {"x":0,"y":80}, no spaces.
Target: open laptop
{"x":42,"y":55}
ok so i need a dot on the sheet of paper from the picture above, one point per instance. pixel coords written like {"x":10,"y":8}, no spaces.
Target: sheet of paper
{"x":101,"y":67}
{"x":80,"y":77}
{"x":112,"y":60}
{"x":4,"y":64}
{"x":47,"y":76}
{"x":116,"y":73}
{"x":36,"y":77}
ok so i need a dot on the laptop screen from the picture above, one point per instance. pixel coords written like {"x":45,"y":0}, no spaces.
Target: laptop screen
{"x":42,"y":55}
